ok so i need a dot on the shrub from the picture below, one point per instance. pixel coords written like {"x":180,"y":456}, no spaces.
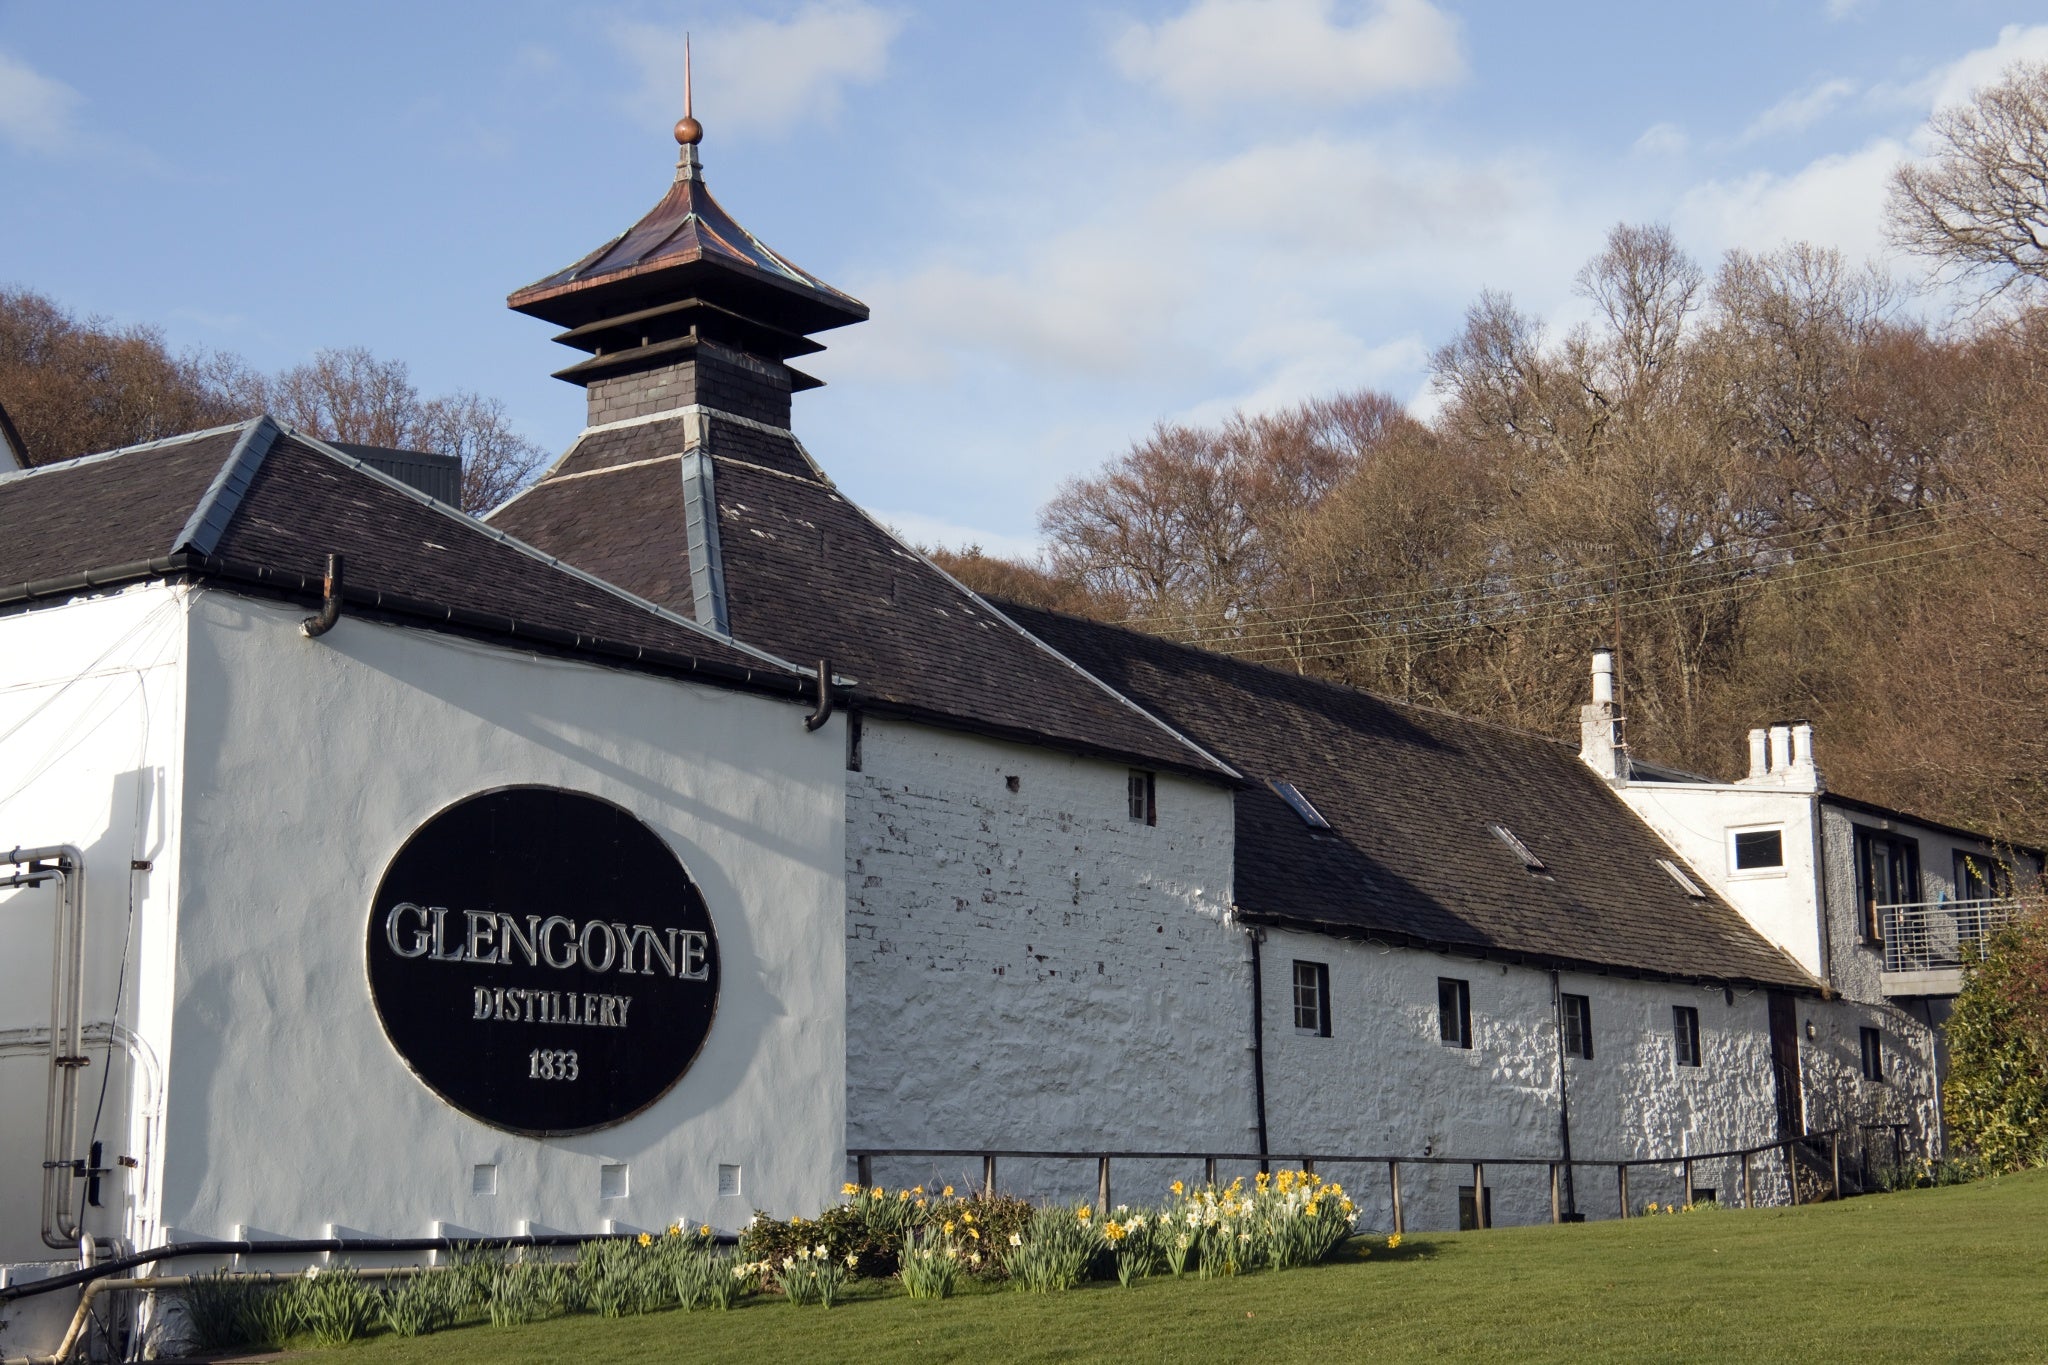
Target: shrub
{"x":214,"y":1308}
{"x":731,"y":1279}
{"x":1996,"y":1099}
{"x":1133,"y":1240}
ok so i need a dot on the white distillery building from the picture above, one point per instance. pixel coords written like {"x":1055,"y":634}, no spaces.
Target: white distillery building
{"x":678,"y":842}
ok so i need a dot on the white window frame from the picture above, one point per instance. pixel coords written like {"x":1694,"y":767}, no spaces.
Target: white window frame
{"x":1746,"y":874}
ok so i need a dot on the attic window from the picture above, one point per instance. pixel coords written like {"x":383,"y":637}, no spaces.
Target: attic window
{"x":1518,"y":848}
{"x":1301,"y":805}
{"x":1685,"y":883}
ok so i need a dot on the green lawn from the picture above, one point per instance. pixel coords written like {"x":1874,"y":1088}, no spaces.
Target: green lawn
{"x":1951,"y":1274}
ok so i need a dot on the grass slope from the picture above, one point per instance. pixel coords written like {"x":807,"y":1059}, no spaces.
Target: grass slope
{"x":1950,"y":1274}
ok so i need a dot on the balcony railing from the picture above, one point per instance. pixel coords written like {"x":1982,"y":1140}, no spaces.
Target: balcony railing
{"x":1927,"y":936}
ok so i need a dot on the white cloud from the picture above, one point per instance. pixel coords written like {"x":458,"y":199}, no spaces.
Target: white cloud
{"x":1322,"y":52}
{"x":1959,"y":79}
{"x":1843,"y":9}
{"x":1799,"y":111}
{"x":36,"y":111}
{"x":1662,"y":140}
{"x":1835,"y":200}
{"x":763,"y":73}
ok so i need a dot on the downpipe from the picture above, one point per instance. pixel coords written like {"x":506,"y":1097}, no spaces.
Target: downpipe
{"x":64,"y":864}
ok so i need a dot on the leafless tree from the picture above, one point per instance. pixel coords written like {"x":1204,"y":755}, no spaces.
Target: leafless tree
{"x":1979,"y":206}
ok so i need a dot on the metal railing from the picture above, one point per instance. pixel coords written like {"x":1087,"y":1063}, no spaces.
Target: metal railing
{"x":1561,"y":1172}
{"x":1926,"y":936}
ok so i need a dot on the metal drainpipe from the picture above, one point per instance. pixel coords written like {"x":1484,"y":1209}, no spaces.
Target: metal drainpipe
{"x":823,"y":711}
{"x":64,"y":863}
{"x":313,"y":627}
{"x":1252,"y":936}
{"x":1564,"y":1112}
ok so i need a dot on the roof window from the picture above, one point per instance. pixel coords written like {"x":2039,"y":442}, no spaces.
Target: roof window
{"x":1518,"y":848}
{"x":1310,"y":816}
{"x":1685,"y":883}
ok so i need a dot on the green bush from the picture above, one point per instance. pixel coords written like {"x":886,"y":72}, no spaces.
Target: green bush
{"x":1057,"y":1251}
{"x":1996,"y":1098}
{"x":422,"y":1303}
{"x":931,"y":1264}
{"x":530,"y":1291}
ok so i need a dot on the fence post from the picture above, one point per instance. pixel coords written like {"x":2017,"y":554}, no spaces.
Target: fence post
{"x":1209,"y":1171}
{"x":1308,"y":1165}
{"x":864,"y":1171}
{"x":1556,"y":1207}
{"x":1479,"y":1195}
{"x":1102,"y":1185}
{"x":1394,"y":1184}
{"x":1621,"y":1184}
{"x":1898,"y":1152}
{"x":1748,"y":1189}
{"x":1687,"y":1174}
{"x":1835,"y":1161}
{"x":988,"y":1175}
{"x":1791,"y":1174}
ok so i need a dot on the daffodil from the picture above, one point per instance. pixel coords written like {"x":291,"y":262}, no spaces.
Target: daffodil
{"x":849,"y":1188}
{"x":704,"y":1231}
{"x":947,"y":1193}
{"x":1393,"y":1240}
{"x":646,"y":1240}
{"x":1178,"y":1188}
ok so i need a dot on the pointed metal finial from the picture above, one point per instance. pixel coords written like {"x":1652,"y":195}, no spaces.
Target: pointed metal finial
{"x":689,"y":132}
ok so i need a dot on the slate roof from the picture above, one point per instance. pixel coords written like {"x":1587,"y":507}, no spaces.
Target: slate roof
{"x":809,"y":575}
{"x":257,"y":506}
{"x":1411,"y":794}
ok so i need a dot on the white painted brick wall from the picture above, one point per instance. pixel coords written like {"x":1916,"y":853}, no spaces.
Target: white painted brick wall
{"x":1032,"y":969}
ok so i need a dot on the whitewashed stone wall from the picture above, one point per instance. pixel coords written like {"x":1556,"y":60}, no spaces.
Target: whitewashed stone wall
{"x":1384,"y":1083}
{"x":1030,"y":969}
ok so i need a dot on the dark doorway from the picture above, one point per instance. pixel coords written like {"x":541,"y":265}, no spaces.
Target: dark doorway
{"x":1785,"y":1063}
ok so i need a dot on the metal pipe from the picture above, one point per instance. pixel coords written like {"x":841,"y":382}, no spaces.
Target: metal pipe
{"x":1258,"y":1042}
{"x":314,"y":627}
{"x":1564,"y":1109}
{"x":66,"y":864}
{"x":823,"y":711}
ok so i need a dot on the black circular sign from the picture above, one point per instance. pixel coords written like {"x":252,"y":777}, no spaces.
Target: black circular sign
{"x":542,"y":961}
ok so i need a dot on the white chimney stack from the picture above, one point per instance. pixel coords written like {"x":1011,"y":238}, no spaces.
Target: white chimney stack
{"x":1759,"y":753}
{"x":1781,"y":750}
{"x":1599,"y":728}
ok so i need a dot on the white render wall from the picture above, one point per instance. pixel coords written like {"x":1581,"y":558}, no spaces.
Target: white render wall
{"x":1032,"y":969}
{"x":1697,"y":820}
{"x":308,"y":763}
{"x":90,"y":699}
{"x":1383,"y":1083}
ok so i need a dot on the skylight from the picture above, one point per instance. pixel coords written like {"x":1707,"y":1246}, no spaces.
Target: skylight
{"x":1310,"y":816}
{"x":1518,"y":848}
{"x":1687,"y":884}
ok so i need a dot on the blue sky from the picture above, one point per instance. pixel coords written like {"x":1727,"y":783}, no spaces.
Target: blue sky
{"x":1070,"y":220}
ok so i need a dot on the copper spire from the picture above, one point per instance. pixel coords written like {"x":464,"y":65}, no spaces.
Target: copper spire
{"x":689,"y":132}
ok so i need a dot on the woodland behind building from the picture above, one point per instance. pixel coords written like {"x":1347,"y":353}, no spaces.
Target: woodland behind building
{"x":1780,"y":487}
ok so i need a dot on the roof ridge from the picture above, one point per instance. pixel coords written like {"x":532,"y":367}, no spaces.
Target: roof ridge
{"x":11,"y":475}
{"x":999,"y":614}
{"x":1309,"y":678}
{"x":513,"y":542}
{"x":216,"y":506}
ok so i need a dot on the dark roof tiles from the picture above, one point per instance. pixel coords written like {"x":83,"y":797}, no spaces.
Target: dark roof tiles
{"x":1411,"y":796}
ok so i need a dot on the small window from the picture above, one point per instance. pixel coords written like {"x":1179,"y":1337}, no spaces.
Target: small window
{"x":1704,"y":1194}
{"x":1468,"y":1215}
{"x":1685,"y":1035}
{"x":1517,"y":847}
{"x":1144,"y":797}
{"x":1757,"y":850}
{"x":1873,"y":1055}
{"x":1454,"y":1011}
{"x":1301,"y":805}
{"x":1685,"y":883}
{"x":1312,"y":998}
{"x":611,"y":1180}
{"x":1578,"y":1026}
{"x":728,"y":1182}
